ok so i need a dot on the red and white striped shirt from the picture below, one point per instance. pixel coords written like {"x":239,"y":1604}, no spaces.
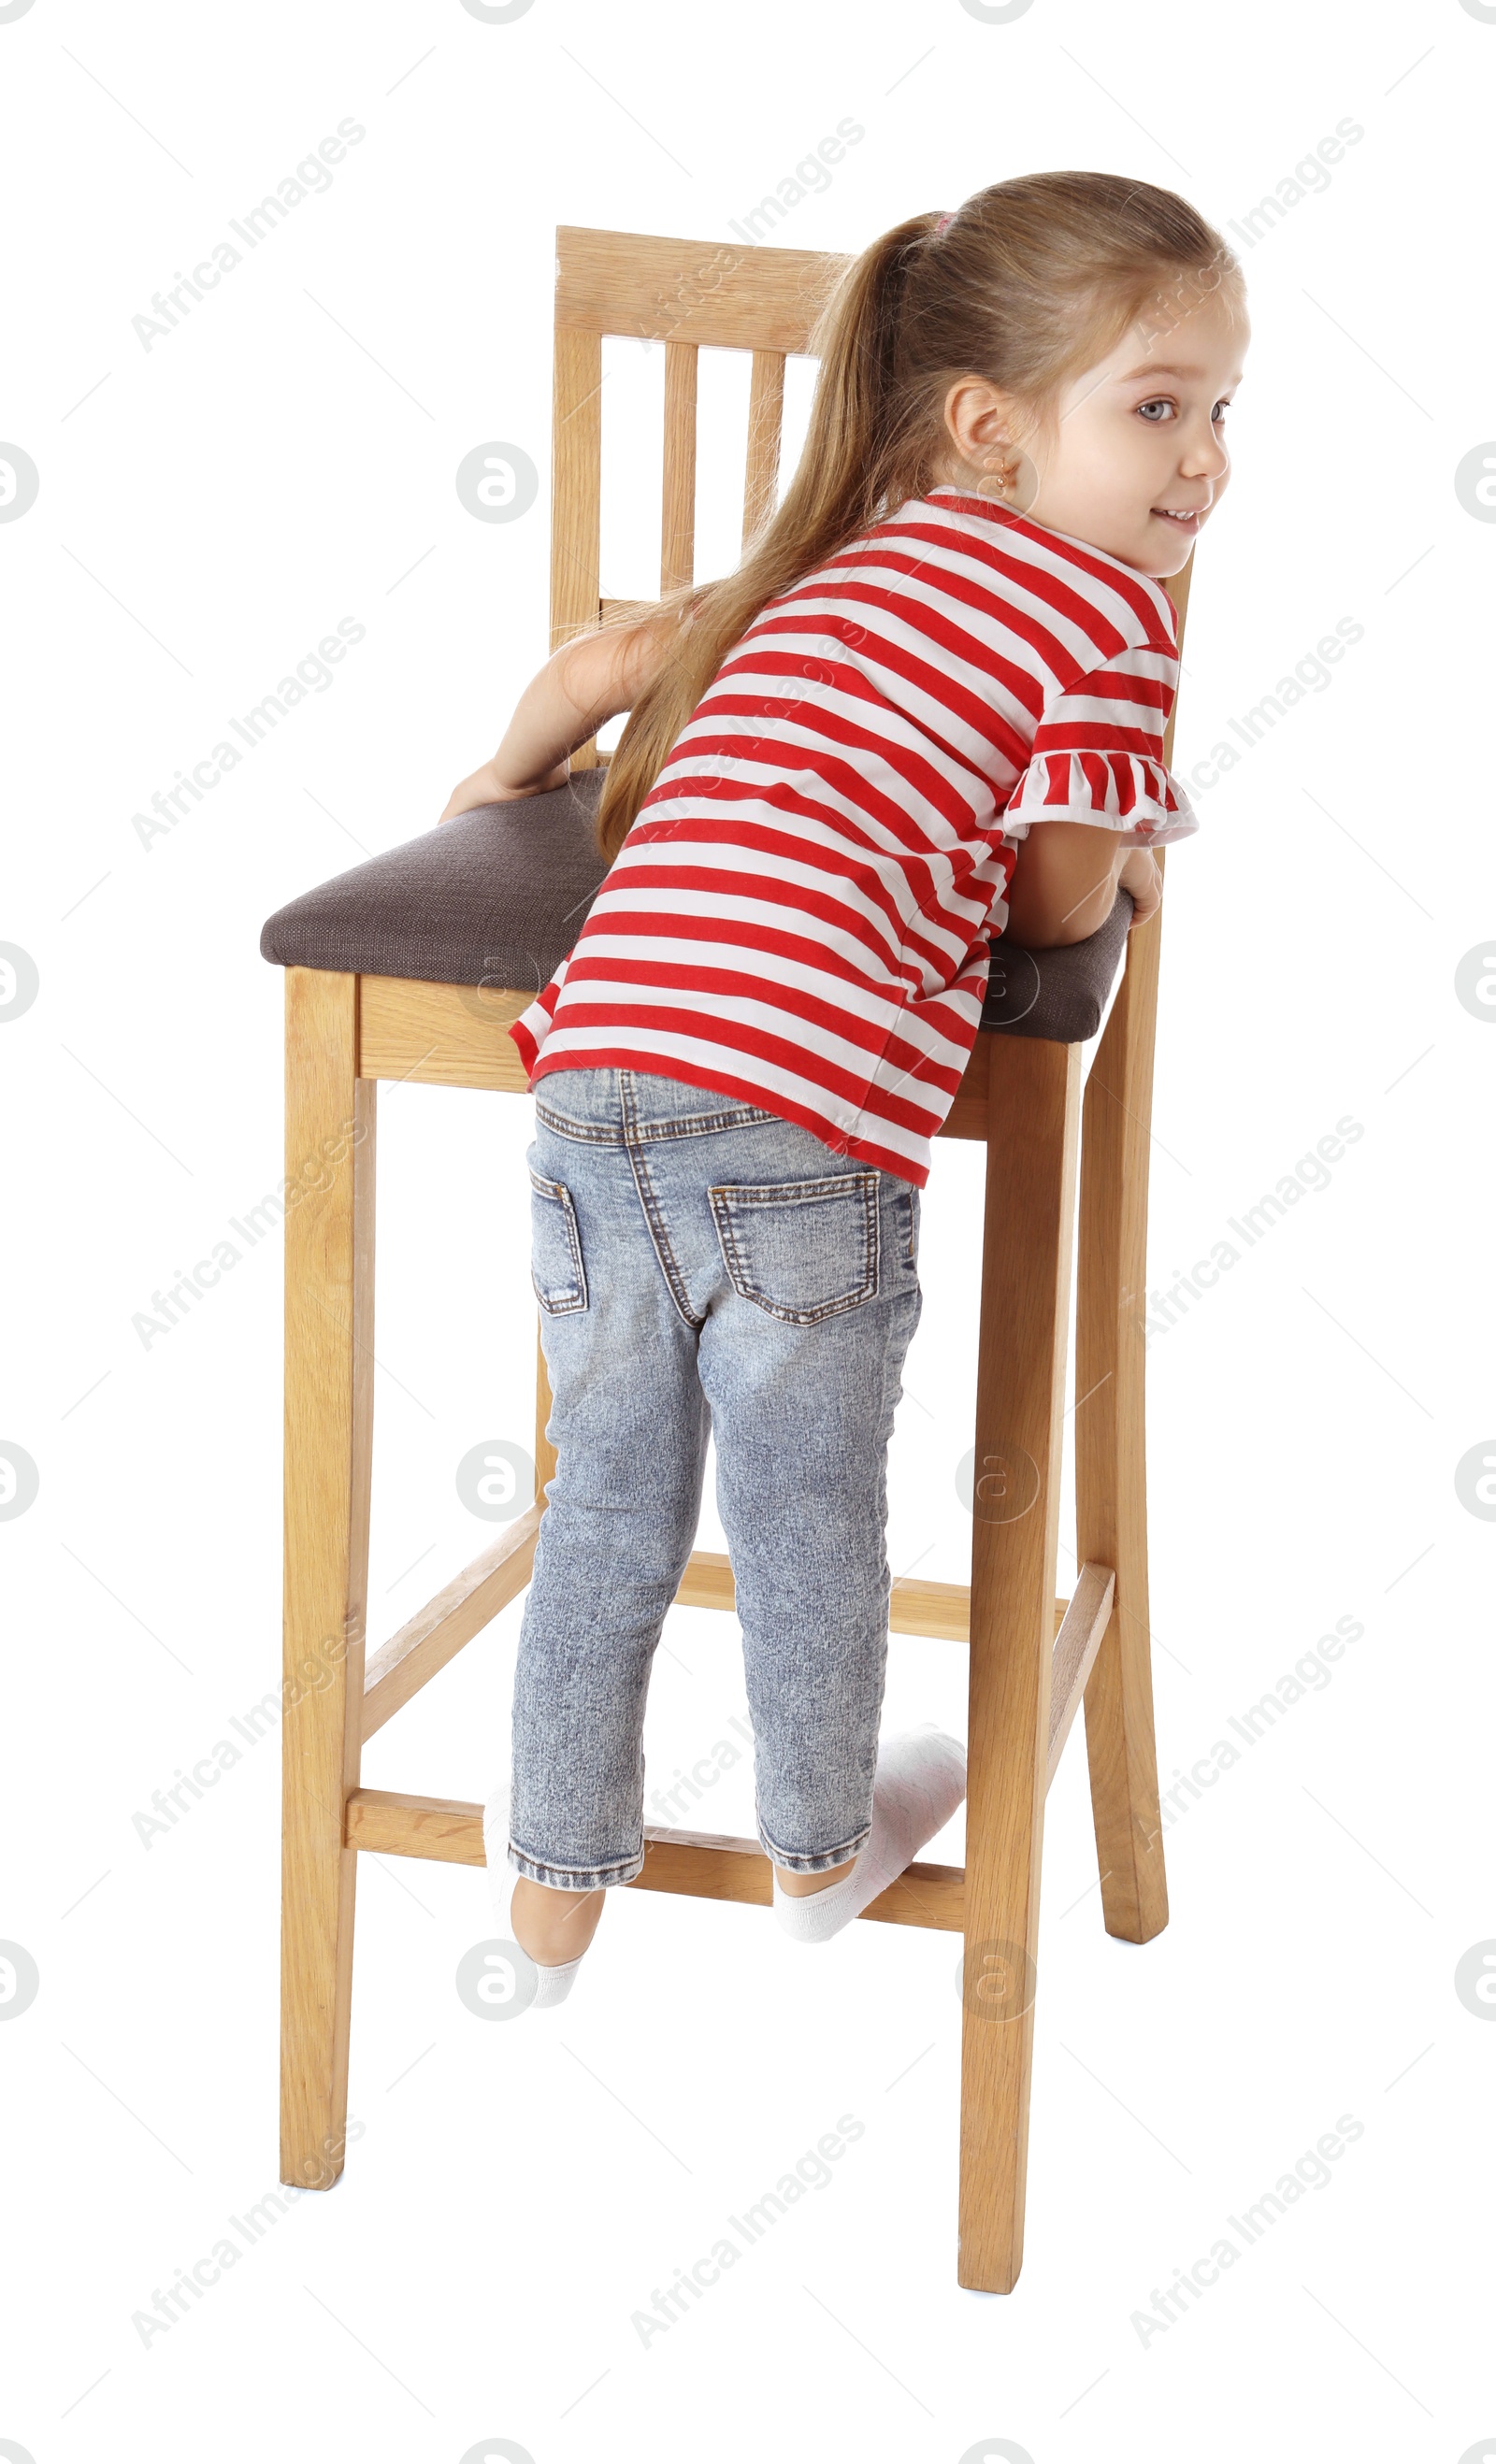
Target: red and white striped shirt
{"x":800,"y":915}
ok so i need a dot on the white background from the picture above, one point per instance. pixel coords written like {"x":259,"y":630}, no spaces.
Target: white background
{"x":209,"y":509}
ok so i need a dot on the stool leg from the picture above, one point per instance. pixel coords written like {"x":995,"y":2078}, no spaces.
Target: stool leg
{"x":1110,"y":1497}
{"x":1032,"y":1136}
{"x":328,"y":1455}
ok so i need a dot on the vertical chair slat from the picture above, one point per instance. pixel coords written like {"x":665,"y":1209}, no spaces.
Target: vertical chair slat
{"x":576,"y":494}
{"x":765,"y":429}
{"x":678,"y":516}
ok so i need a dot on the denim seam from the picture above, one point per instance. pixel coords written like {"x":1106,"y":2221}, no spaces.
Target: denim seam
{"x":558,"y":1193}
{"x":653,"y":1216}
{"x":788,"y":1192}
{"x":582,"y":1131}
{"x":576,"y":1878}
{"x":688,"y":1125}
{"x":891,"y":1387}
{"x":695,"y":1125}
{"x":821,"y":1860}
{"x":685,"y":1125}
{"x":889,"y":1402}
{"x":793,"y":1193}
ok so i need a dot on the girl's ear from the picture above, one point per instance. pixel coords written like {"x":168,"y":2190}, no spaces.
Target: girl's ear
{"x":979,"y":420}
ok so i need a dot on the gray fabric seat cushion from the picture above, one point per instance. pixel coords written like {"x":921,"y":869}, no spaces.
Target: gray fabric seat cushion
{"x":498,"y":897}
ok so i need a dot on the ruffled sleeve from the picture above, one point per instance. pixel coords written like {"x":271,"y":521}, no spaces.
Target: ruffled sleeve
{"x":1098,"y":755}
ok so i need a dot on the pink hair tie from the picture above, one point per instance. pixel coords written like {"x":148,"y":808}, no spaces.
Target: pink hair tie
{"x":944,"y":221}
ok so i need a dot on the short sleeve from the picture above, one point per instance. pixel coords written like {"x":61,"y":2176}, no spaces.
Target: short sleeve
{"x":1098,"y":755}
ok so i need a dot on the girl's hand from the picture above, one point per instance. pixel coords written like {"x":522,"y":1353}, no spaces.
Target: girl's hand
{"x":1142,"y":880}
{"x":487,"y":788}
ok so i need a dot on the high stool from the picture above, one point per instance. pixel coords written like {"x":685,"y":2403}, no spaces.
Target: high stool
{"x":408,"y":968}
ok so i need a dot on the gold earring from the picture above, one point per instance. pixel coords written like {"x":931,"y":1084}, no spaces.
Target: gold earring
{"x":1006,"y":474}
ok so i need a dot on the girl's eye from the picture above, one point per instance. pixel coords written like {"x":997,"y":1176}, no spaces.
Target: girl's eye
{"x":1162,"y":402}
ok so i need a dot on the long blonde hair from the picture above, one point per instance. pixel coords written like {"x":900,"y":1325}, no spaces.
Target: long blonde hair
{"x":1031,"y":282}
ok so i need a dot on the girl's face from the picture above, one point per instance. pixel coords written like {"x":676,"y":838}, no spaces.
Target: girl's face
{"x":1134,"y":459}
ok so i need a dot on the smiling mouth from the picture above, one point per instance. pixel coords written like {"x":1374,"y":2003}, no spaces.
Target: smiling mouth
{"x":1183,"y":513}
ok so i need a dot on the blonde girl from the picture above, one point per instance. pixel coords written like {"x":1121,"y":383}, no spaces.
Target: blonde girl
{"x":926,"y":710}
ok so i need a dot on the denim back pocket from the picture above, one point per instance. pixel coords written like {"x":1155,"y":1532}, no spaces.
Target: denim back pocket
{"x":556,"y":1268}
{"x":802,"y":1249}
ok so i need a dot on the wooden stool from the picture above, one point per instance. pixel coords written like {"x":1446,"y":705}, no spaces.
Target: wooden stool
{"x":409,"y":968}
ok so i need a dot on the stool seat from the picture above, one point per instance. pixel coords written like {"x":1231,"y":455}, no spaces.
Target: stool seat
{"x":498,"y":897}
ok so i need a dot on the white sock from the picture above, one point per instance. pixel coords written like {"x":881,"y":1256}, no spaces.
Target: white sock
{"x":921,"y":1780}
{"x":552,"y":1984}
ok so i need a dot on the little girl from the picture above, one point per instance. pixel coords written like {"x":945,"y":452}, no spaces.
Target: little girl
{"x":822,"y":809}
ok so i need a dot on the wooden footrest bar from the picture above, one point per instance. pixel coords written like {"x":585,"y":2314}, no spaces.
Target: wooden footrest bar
{"x":437,"y":1633}
{"x":942,"y":1610}
{"x":427,"y":1826}
{"x":703,"y":1865}
{"x":1082,"y":1631}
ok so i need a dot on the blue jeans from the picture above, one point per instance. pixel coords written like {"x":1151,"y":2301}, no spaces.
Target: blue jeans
{"x":704,"y":1266}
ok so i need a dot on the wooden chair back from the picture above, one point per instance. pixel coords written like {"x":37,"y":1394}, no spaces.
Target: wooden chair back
{"x":684,"y":294}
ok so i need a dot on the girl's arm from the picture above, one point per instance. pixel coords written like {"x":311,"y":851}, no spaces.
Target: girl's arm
{"x":1066,"y":884}
{"x":586,"y":681}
